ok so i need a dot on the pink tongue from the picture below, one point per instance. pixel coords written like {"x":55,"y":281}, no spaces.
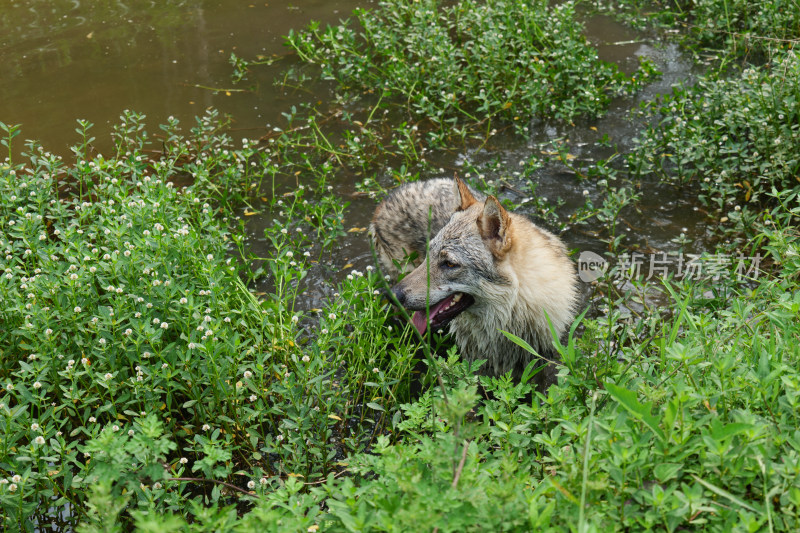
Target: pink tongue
{"x":418,"y":319}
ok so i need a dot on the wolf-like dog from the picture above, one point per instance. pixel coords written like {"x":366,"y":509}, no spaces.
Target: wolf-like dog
{"x":486,"y":270}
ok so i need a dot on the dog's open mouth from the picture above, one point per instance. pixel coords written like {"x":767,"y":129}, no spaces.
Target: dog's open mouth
{"x":442,"y":312}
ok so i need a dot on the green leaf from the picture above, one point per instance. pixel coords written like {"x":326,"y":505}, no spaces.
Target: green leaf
{"x":375,"y":406}
{"x":724,"y":493}
{"x":666,"y":471}
{"x":720,"y":432}
{"x":640,"y":411}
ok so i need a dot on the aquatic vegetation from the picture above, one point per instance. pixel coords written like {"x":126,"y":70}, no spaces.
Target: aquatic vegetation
{"x":734,"y":27}
{"x":463,"y":65}
{"x":737,"y":135}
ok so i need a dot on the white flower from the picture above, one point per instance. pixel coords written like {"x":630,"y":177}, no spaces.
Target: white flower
{"x":183,"y":460}
{"x":35,"y":426}
{"x":206,"y":427}
{"x":108,"y":376}
{"x":247,"y":374}
{"x":251,"y":484}
{"x":92,"y":419}
{"x":37,"y":385}
{"x":39,"y":440}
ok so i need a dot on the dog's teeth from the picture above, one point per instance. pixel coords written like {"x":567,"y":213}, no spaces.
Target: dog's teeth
{"x":456,"y":298}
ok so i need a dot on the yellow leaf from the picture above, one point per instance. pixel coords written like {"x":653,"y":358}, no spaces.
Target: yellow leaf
{"x":250,"y":213}
{"x":90,"y":35}
{"x":227,"y":93}
{"x":292,"y":474}
{"x":506,"y":105}
{"x":348,"y":265}
{"x":356,"y":230}
{"x":592,"y":128}
{"x":335,"y":417}
{"x":120,"y":416}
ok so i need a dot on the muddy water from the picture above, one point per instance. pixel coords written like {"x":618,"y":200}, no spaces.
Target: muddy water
{"x":68,"y":59}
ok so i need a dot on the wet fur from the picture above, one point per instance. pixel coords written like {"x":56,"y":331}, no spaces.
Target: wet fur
{"x":405,"y":221}
{"x":517,"y":273}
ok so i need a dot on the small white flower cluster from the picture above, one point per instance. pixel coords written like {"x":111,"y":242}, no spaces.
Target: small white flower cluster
{"x":355,"y":274}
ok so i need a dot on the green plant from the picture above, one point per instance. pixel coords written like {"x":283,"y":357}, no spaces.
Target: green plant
{"x":463,"y":66}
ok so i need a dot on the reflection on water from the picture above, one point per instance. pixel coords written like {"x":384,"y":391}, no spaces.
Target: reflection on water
{"x":69,"y":59}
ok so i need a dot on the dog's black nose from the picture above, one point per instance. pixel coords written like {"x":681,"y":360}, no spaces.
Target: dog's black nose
{"x":386,"y":294}
{"x":400,"y":294}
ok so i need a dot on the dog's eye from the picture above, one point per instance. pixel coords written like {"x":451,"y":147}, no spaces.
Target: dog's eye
{"x":449,"y":264}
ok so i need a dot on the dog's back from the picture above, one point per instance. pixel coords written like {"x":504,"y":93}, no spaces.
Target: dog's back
{"x":405,"y":222}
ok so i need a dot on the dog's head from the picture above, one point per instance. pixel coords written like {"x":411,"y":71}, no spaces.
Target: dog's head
{"x":461,"y":266}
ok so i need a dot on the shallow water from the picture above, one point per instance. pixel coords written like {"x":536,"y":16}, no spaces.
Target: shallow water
{"x":69,"y":59}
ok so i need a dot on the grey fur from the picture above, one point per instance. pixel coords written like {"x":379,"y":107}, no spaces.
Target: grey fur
{"x":405,"y":221}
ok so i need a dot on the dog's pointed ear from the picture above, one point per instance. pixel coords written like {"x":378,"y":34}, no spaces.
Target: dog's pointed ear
{"x":493,"y":226}
{"x":466,"y":196}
